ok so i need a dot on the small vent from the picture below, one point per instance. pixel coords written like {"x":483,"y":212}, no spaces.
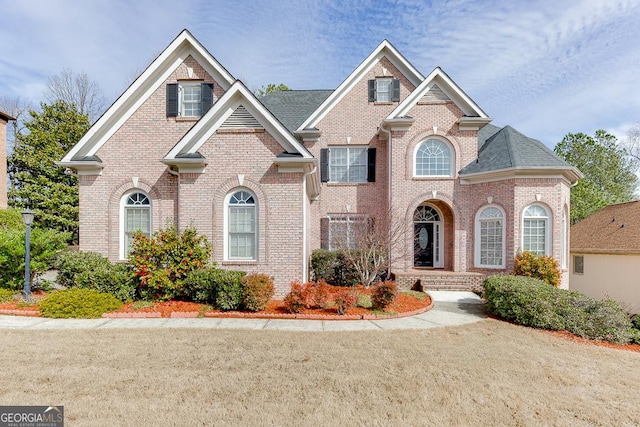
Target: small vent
{"x":241,"y":119}
{"x":435,"y":94}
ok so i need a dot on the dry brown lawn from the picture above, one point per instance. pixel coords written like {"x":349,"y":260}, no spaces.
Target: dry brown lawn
{"x":488,"y":373}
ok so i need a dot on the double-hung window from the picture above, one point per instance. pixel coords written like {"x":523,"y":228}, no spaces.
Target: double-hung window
{"x":346,"y":231}
{"x":384,"y":89}
{"x":348,"y":164}
{"x":241,"y":226}
{"x":490,"y":237}
{"x":536,"y":230}
{"x":136,"y":216}
{"x":189,"y":98}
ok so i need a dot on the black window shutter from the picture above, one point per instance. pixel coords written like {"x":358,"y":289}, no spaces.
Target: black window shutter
{"x":324,"y":165}
{"x":372,"y":91}
{"x":324,"y":233}
{"x":371,"y":170}
{"x":396,"y":91}
{"x":207,"y":97}
{"x":172,"y":100}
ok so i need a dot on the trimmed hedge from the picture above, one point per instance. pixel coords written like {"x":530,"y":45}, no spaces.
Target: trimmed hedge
{"x":333,"y":268}
{"x":541,"y":267}
{"x":7,"y":295}
{"x":220,"y":288}
{"x":257,"y":290}
{"x":78,"y":303}
{"x":532,"y":302}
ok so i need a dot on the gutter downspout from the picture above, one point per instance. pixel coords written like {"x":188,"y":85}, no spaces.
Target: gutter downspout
{"x":389,"y":181}
{"x":305,"y":260}
{"x":174,"y":173}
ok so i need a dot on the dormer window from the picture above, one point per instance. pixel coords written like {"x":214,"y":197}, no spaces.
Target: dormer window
{"x":384,"y":89}
{"x":189,"y":98}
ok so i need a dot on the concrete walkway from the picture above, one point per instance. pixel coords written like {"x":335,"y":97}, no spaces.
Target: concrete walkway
{"x":449,"y":309}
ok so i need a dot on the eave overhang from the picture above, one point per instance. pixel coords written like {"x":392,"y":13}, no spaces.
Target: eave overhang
{"x":187,"y":164}
{"x":398,"y":124}
{"x":571,"y":175}
{"x":83,"y":167}
{"x":472,"y":123}
{"x":309,"y":135}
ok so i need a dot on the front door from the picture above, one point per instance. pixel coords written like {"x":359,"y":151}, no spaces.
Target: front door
{"x":423,"y":244}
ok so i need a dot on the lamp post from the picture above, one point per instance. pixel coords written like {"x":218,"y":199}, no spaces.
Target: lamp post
{"x":27,"y":217}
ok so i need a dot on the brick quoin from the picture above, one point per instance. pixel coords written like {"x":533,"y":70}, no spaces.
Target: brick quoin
{"x":244,"y":158}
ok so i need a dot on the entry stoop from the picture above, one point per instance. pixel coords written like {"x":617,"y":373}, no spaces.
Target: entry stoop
{"x":440,"y":280}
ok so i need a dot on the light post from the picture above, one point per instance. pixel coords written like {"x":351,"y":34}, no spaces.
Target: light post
{"x":27,"y":217}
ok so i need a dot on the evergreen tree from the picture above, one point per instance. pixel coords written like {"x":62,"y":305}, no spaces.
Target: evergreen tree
{"x":608,"y":170}
{"x":37,"y":182}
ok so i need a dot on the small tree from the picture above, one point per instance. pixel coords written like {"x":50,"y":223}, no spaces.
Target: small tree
{"x":270,"y":88}
{"x":368,"y":246}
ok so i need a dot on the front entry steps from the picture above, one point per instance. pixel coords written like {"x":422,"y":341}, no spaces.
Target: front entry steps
{"x":441,"y":280}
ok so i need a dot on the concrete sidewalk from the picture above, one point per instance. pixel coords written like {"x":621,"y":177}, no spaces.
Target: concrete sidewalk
{"x":449,"y":309}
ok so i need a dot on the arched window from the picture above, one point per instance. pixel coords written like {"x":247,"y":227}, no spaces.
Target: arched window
{"x":136,"y":216}
{"x":433,"y":157}
{"x":489,"y":241}
{"x":536,"y":230}
{"x":242,"y":222}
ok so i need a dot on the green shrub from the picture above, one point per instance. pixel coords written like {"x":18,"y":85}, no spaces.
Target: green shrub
{"x":78,"y":303}
{"x":257,"y":290}
{"x":215,"y":286}
{"x":6,"y":295}
{"x":45,"y":245}
{"x":383,"y":295}
{"x":71,"y":263}
{"x":116,"y":279}
{"x":294,"y":301}
{"x":364,"y":301}
{"x":532,"y":302}
{"x":229,"y":290}
{"x":163,"y":261}
{"x":541,"y":267}
{"x":333,"y":267}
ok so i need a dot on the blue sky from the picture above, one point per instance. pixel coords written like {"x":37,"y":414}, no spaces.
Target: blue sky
{"x":545,"y":67}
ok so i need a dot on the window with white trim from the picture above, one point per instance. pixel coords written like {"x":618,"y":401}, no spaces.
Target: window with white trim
{"x":347,"y":230}
{"x":348,"y":164}
{"x":190,"y":99}
{"x":433,"y":157}
{"x":383,"y":90}
{"x":136,"y":216}
{"x":536,"y":230}
{"x":241,"y":226}
{"x":490,"y":237}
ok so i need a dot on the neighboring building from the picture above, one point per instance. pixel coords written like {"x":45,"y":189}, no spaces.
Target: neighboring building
{"x":4,"y":119}
{"x":605,"y":253}
{"x":269,"y":180}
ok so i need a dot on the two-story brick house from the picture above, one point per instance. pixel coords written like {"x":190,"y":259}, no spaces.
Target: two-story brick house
{"x":269,"y":180}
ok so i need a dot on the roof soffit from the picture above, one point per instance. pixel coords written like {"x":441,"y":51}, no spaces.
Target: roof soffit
{"x":237,"y":95}
{"x":384,"y":49}
{"x":183,"y":46}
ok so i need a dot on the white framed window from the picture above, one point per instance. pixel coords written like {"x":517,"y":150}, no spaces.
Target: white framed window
{"x":190,"y":99}
{"x":241,"y":226}
{"x":347,"y":230}
{"x":536,"y":230}
{"x":490,"y":237}
{"x":384,"y":87}
{"x":135,"y":215}
{"x":348,"y":164}
{"x":433,"y":157}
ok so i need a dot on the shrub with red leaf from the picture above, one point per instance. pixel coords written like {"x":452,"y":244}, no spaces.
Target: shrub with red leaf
{"x":295,"y":300}
{"x":345,"y":299}
{"x":384,"y":294}
{"x":316,"y":294}
{"x":257,"y":290}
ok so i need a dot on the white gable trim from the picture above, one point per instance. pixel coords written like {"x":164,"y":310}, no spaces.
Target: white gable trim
{"x":448,"y":86}
{"x":384,"y":49}
{"x":236,"y":95}
{"x":142,"y":88}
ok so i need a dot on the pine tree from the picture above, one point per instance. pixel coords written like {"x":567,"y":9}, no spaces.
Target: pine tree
{"x":36,"y":181}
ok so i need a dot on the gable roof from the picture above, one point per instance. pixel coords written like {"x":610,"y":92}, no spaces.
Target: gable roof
{"x":613,"y":229}
{"x":292,"y":107}
{"x":384,"y":49}
{"x":440,"y":81}
{"x":237,"y":95}
{"x":509,"y":151}
{"x":183,"y":46}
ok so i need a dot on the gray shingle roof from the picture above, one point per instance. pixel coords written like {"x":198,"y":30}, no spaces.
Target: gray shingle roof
{"x":293,"y":107}
{"x":507,"y":148}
